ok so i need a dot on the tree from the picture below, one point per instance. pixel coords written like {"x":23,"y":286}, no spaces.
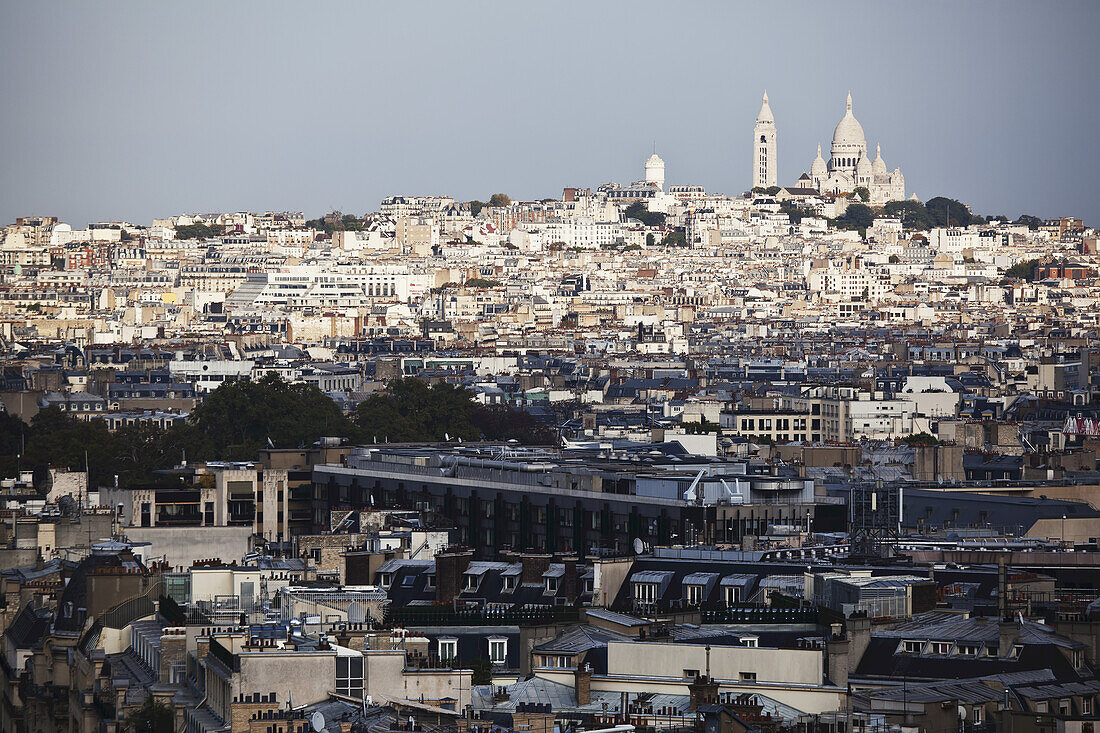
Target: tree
{"x":769,"y":190}
{"x":239,"y":417}
{"x":481,"y":283}
{"x":638,"y":210}
{"x":649,"y":240}
{"x":921,"y":439}
{"x":199,"y":231}
{"x":675,"y":238}
{"x":863,"y":193}
{"x":1032,"y":222}
{"x":948,"y":212}
{"x":483,"y":671}
{"x":476,"y":207}
{"x":412,"y":411}
{"x":499,"y":199}
{"x":152,"y":717}
{"x":1023,"y":270}
{"x":894,"y":259}
{"x":856,"y":217}
{"x":913,"y":214}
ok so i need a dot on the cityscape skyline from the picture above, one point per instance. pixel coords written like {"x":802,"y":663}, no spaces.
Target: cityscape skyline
{"x":115,"y":139}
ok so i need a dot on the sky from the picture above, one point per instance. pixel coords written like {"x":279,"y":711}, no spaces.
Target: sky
{"x":132,"y":110}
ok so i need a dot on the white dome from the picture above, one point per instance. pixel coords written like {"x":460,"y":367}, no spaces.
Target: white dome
{"x":863,"y":167}
{"x":654,"y":161}
{"x":879,"y":166}
{"x":848,"y":131}
{"x":818,"y":168}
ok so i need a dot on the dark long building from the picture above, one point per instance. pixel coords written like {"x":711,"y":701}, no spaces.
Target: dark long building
{"x":500,"y":498}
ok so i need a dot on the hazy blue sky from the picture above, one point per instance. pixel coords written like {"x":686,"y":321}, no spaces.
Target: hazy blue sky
{"x":130,"y":110}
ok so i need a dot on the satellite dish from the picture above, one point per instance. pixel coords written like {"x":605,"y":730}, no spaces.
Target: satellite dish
{"x":640,"y":546}
{"x":962,"y":712}
{"x":317,"y":720}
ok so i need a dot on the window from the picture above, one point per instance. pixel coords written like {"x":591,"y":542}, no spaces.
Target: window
{"x":690,"y":674}
{"x":969,"y":650}
{"x":1063,"y":707}
{"x":940,"y":647}
{"x":471,"y":582}
{"x":385,"y":579}
{"x":750,"y":641}
{"x":733,"y":595}
{"x":1086,"y":705}
{"x":1041,"y":706}
{"x":498,"y":650}
{"x":976,"y":714}
{"x":509,"y":582}
{"x":551,"y":585}
{"x":448,"y":649}
{"x":912,"y":647}
{"x":349,"y":676}
{"x":694,"y":594}
{"x":1078,"y":659}
{"x":748,"y":676}
{"x":645,"y":592}
{"x":429,"y":580}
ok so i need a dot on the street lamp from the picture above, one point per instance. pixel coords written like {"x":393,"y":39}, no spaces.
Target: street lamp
{"x":1063,"y":529}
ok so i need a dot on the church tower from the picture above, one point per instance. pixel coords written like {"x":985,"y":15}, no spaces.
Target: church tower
{"x":765,"y":162}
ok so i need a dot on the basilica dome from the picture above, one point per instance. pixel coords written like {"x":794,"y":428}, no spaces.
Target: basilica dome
{"x":848,"y":132}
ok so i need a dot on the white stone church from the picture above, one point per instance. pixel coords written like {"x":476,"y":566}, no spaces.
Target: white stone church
{"x":848,"y":168}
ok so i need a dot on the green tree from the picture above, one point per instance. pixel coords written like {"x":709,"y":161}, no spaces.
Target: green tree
{"x":152,"y":717}
{"x":1031,"y":222}
{"x":638,"y":210}
{"x":483,"y":671}
{"x":481,"y":283}
{"x":948,"y":212}
{"x":769,"y":190}
{"x":921,"y":439}
{"x":476,"y":207}
{"x":412,"y":411}
{"x":856,"y":217}
{"x":894,"y":259}
{"x":199,"y":231}
{"x":675,"y":238}
{"x":1023,"y":270}
{"x":239,"y":417}
{"x":863,"y":194}
{"x":913,"y":214}
{"x":649,"y":240}
{"x":499,"y":199}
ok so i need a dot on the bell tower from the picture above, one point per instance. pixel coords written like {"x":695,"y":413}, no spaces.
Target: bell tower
{"x":764,"y":154}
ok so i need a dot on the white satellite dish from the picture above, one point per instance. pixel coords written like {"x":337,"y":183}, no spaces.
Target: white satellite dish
{"x":317,"y":720}
{"x":640,"y":546}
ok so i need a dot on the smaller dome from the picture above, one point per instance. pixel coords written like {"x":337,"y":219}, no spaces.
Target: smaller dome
{"x":879,"y":166}
{"x":863,"y":167}
{"x":818,"y":167}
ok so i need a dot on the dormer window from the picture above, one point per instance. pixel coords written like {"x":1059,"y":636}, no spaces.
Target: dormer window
{"x":429,"y":580}
{"x":551,"y":585}
{"x":509,"y":583}
{"x":912,"y":647}
{"x":385,"y":579}
{"x":471,"y":582}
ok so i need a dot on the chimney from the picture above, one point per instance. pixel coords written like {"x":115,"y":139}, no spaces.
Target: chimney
{"x":449,"y":568}
{"x":582,"y":684}
{"x":533,"y":568}
{"x":570,"y":584}
{"x":702,"y":691}
{"x":173,"y":651}
{"x":1007,"y":631}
